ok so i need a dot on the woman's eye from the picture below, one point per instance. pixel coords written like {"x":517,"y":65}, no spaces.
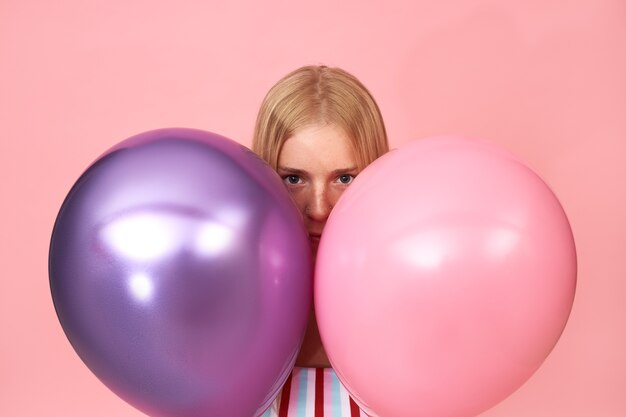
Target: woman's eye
{"x":291,"y":179}
{"x":346,"y":179}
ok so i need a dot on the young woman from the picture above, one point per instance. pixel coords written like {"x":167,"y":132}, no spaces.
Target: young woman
{"x":318,"y":127}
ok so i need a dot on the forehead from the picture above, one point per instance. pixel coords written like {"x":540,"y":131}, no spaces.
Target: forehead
{"x":318,"y":147}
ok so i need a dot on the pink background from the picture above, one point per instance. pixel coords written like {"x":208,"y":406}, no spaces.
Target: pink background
{"x":546,"y":79}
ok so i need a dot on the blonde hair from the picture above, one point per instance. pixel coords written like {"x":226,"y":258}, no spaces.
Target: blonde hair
{"x":320,"y":95}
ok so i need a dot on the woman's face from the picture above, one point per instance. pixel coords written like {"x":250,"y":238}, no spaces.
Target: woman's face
{"x":317,"y":164}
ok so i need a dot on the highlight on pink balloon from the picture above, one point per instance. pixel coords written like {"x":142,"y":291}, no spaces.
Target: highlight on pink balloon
{"x":445,"y":276}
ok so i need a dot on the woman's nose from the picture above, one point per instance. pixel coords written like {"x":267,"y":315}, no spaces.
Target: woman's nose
{"x":320,"y":204}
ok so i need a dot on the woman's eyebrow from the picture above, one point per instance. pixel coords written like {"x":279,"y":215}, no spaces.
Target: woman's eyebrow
{"x":344,"y":170}
{"x":297,"y":171}
{"x":294,"y":171}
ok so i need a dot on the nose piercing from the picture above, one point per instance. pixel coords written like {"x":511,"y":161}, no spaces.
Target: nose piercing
{"x":307,"y":209}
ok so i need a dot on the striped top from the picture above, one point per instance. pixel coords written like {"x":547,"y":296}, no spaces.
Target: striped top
{"x":313,"y":392}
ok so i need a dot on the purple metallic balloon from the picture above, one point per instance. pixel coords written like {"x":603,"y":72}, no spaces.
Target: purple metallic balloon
{"x":181,"y":273}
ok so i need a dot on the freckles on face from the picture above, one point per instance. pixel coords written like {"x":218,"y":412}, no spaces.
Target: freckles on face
{"x":317,"y":164}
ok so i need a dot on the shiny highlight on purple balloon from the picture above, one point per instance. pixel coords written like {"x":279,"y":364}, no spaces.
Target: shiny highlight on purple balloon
{"x":181,"y":273}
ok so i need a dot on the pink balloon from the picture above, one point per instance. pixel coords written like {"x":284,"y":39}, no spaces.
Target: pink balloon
{"x":444,"y":278}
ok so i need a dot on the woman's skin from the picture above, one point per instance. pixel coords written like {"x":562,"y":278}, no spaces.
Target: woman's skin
{"x":317,"y":164}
